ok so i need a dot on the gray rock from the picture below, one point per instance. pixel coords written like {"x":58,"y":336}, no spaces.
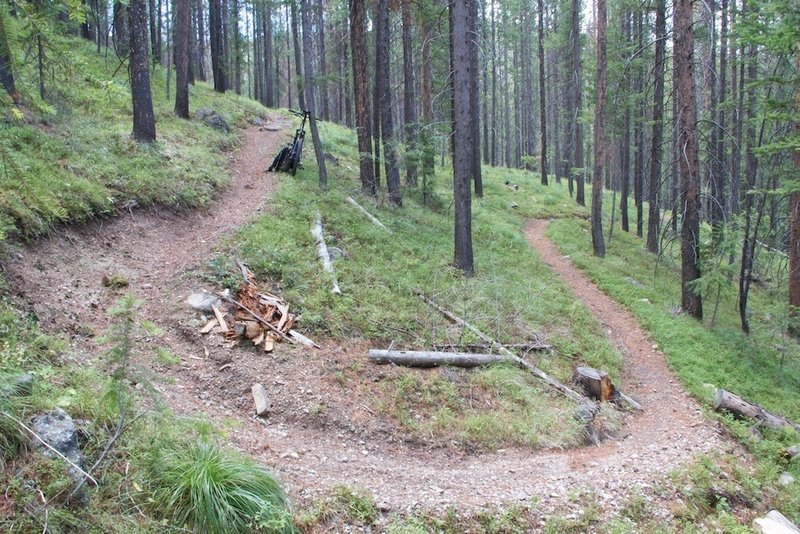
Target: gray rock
{"x":792,"y":451}
{"x":24,"y":384}
{"x":260,"y":399}
{"x":213,"y":119}
{"x":257,"y":121}
{"x":57,"y":429}
{"x":203,"y":302}
{"x":785,"y":479}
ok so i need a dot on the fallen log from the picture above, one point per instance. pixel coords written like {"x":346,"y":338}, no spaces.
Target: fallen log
{"x":416,"y":358}
{"x":366,"y":214}
{"x":322,"y":253}
{"x":476,"y":347}
{"x":729,"y":402}
{"x":303,"y":340}
{"x":552,"y":382}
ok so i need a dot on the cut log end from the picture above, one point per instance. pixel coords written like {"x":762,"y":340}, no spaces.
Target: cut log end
{"x":596,"y":384}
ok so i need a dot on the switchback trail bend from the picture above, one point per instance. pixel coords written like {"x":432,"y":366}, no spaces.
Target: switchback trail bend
{"x":163,"y":254}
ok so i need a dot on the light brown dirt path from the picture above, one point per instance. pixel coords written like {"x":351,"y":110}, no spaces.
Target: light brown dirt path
{"x":317,"y":435}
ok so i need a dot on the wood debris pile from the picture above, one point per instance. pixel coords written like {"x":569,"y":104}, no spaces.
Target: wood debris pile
{"x":259,"y":316}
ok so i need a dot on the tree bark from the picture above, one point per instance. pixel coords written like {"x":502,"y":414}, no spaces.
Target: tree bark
{"x":577,"y":100}
{"x":385,"y":104}
{"x":427,"y":95}
{"x":6,"y":64}
{"x":182,"y":29}
{"x":794,"y":239}
{"x":301,"y":98}
{"x":144,"y":122}
{"x":598,"y":243}
{"x":654,"y":215}
{"x":201,"y":42}
{"x":727,"y":401}
{"x":474,"y":98}
{"x":691,"y":300}
{"x":308,"y":51}
{"x":462,"y":151}
{"x":542,"y":106}
{"x":358,"y":43}
{"x":268,"y":78}
{"x":409,"y":104}
{"x":122,"y":38}
{"x":218,"y":60}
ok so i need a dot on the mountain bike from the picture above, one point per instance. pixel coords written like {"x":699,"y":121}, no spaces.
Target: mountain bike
{"x":288,"y":158}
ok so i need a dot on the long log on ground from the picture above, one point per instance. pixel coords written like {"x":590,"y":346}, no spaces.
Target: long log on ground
{"x":322,"y":253}
{"x":416,"y":358}
{"x":366,"y":214}
{"x":475,"y":347}
{"x":552,"y":382}
{"x":729,"y":402}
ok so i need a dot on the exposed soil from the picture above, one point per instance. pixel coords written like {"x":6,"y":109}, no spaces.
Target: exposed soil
{"x":319,"y":434}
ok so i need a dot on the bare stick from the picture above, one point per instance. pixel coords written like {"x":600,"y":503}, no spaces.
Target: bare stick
{"x":43,"y":442}
{"x":322,"y":253}
{"x":366,"y":214}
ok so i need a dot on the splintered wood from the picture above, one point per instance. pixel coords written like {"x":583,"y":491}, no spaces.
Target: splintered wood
{"x":259,"y":316}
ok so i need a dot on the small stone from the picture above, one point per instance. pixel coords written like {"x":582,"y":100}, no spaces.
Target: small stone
{"x":147,"y":286}
{"x":633,"y":281}
{"x":203,"y":302}
{"x":261,"y":399}
{"x":785,"y":479}
{"x":646,"y":301}
{"x":792,"y":451}
{"x":58,"y":430}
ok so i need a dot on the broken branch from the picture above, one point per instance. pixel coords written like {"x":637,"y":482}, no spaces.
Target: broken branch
{"x":366,"y":214}
{"x":322,"y":253}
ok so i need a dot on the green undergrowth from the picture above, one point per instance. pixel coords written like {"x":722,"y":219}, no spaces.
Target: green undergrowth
{"x":71,"y":157}
{"x":512,"y":297}
{"x":164,"y":474}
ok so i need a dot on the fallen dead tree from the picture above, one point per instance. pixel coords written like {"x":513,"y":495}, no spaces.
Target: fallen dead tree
{"x":366,"y":214}
{"x":744,"y":409}
{"x":552,"y":382}
{"x":416,"y":358}
{"x":535,"y":345}
{"x":322,"y":253}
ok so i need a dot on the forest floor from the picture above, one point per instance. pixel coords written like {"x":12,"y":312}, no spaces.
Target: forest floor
{"x":317,"y":436}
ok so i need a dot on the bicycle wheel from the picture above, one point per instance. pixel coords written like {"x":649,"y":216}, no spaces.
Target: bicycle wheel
{"x":297,"y":153}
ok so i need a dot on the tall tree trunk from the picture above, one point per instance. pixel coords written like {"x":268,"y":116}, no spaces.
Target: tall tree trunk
{"x":720,"y":202}
{"x":269,"y":80}
{"x":625,"y":141}
{"x":122,"y":38}
{"x":598,"y":244}
{"x":308,"y":52}
{"x":494,"y":86}
{"x":218,"y":61}
{"x":6,"y":63}
{"x":323,"y":64}
{"x":409,"y":104}
{"x":577,"y":100}
{"x":237,"y":47}
{"x":691,"y":300}
{"x":358,"y":41}
{"x":794,"y":238}
{"x":427,"y":95}
{"x":475,"y":116}
{"x":153,"y":30}
{"x":201,"y":42}
{"x":638,"y":167}
{"x":542,"y":107}
{"x":376,"y":106}
{"x":462,"y":150}
{"x":297,"y":61}
{"x":654,"y":215}
{"x":182,"y":29}
{"x":384,"y":91}
{"x":144,"y":122}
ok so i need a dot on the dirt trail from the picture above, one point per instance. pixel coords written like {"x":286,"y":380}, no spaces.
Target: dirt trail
{"x":316,"y":437}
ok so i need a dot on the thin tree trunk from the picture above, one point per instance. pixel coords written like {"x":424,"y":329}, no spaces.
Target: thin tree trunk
{"x":308,"y":52}
{"x":182,"y":28}
{"x":598,"y":244}
{"x":794,"y":238}
{"x":542,"y":108}
{"x":625,"y":141}
{"x":358,"y":43}
{"x":691,"y":300}
{"x":654,"y":215}
{"x":153,"y":30}
{"x":475,"y":116}
{"x":297,"y":60}
{"x":462,"y":151}
{"x":638,"y":166}
{"x":201,"y":42}
{"x":409,"y":104}
{"x":218,"y":61}
{"x":144,"y":122}
{"x":577,"y":100}
{"x":427,"y":96}
{"x":269,"y":79}
{"x":382,"y":39}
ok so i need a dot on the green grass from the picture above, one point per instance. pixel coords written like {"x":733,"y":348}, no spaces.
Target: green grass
{"x":513,"y":296}
{"x":71,"y":157}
